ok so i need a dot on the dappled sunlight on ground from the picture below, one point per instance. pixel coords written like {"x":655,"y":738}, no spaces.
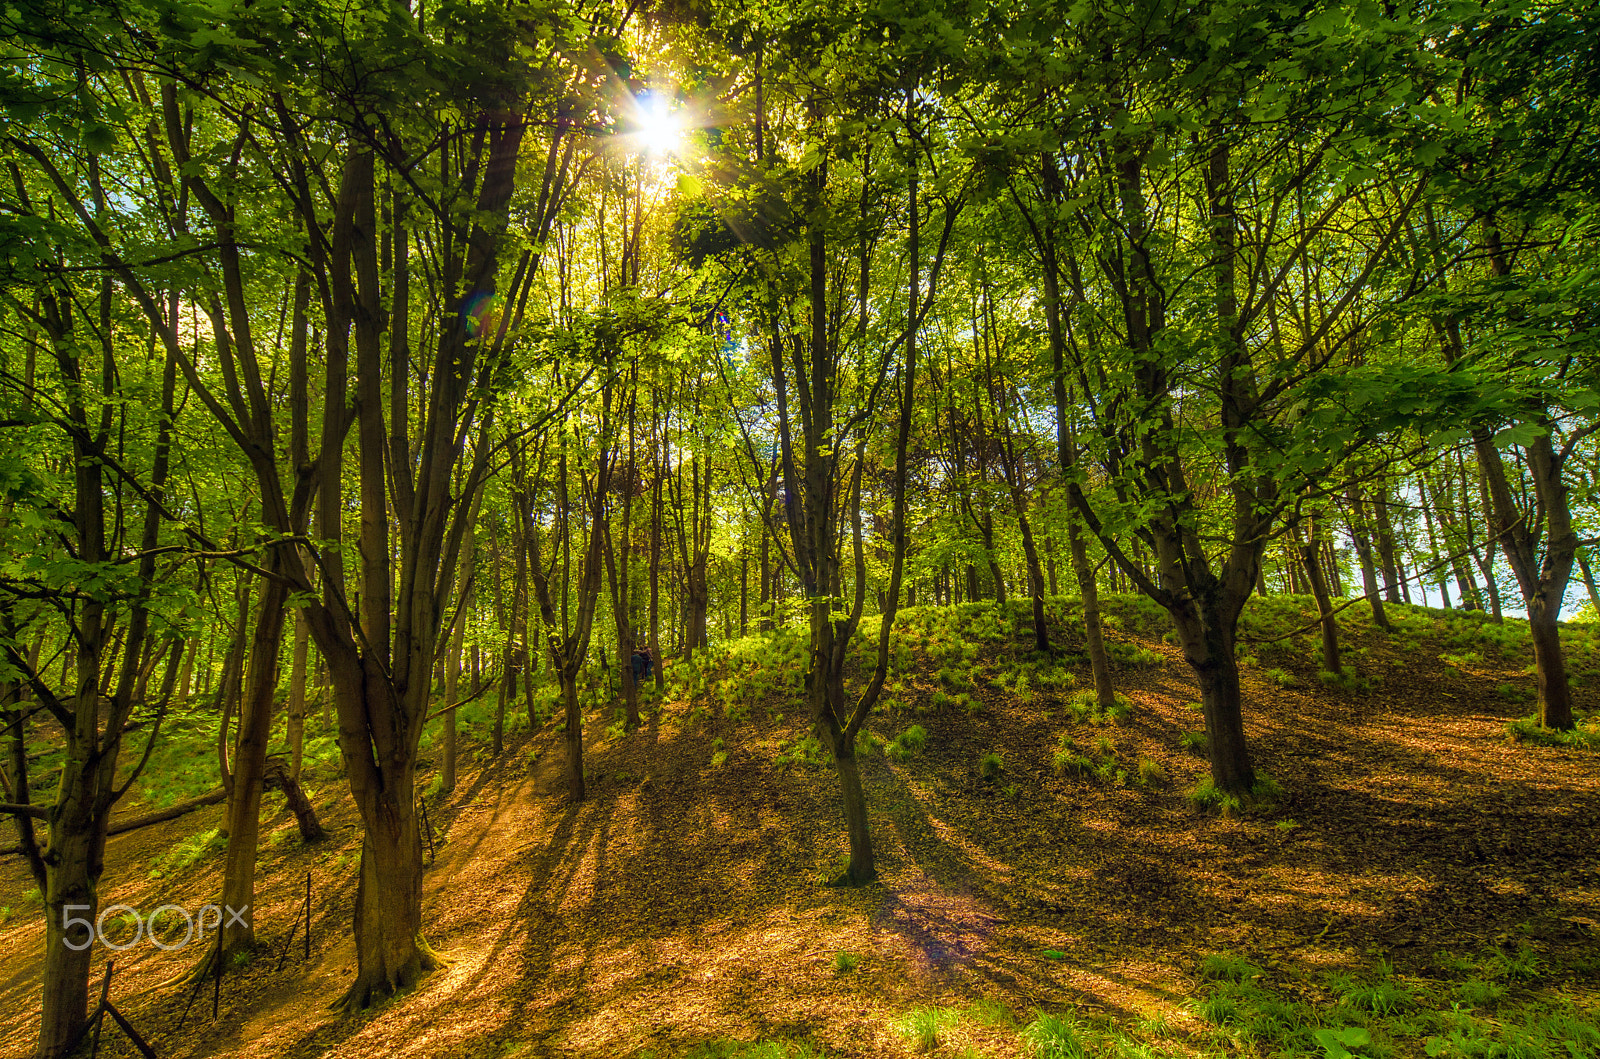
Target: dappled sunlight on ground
{"x":683,"y":902}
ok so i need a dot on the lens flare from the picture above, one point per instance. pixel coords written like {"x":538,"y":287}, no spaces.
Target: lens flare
{"x":480,"y":312}
{"x":660,"y":129}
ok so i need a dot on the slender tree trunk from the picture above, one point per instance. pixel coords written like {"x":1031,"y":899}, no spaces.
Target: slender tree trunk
{"x":1588,"y":582}
{"x":249,"y":772}
{"x":186,"y":677}
{"x":297,"y":695}
{"x":452,"y":686}
{"x":1369,"y":571}
{"x":1393,"y":581}
{"x":744,"y":593}
{"x":507,"y":690}
{"x":1433,"y":541}
{"x":659,"y":458}
{"x":1309,"y":549}
{"x":1486,"y":555}
{"x":1105,"y":692}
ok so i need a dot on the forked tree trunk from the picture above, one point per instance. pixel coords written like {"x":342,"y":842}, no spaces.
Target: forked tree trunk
{"x":1542,"y":558}
{"x":391,"y":951}
{"x":1208,"y":646}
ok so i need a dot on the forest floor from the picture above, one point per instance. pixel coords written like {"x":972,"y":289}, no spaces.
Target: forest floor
{"x":1423,"y":885}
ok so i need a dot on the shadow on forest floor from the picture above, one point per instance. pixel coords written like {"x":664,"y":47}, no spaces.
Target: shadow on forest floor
{"x":684,"y":902}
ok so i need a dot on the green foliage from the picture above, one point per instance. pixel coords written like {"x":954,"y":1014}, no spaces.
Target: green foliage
{"x":1134,"y":656}
{"x":907,"y":744}
{"x":922,"y":1027}
{"x":1051,"y":1036}
{"x":1194,"y":743}
{"x":1521,"y":964}
{"x":845,"y":962}
{"x":1281,"y":677}
{"x":805,"y":751}
{"x":1208,"y":797}
{"x":1068,"y":761}
{"x":1085,"y":707}
{"x":1344,"y":1043}
{"x":991,"y":765}
{"x":188,"y":852}
{"x":1227,"y":967}
{"x":1476,"y":992}
{"x":1585,"y":734}
{"x":725,"y":1049}
{"x":868,"y":743}
{"x":987,"y":1012}
{"x":1375,"y":1012}
{"x":1346,"y":679}
{"x":1380,"y":997}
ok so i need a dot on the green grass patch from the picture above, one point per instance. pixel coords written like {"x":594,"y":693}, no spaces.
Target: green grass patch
{"x":189,"y":852}
{"x":907,"y":744}
{"x":1585,"y":734}
{"x":924,"y":1027}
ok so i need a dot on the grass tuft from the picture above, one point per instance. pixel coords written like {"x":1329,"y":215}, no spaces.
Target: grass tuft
{"x":1053,"y":1037}
{"x":1585,"y":735}
{"x":922,"y":1027}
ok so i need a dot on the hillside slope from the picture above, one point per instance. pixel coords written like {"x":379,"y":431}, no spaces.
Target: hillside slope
{"x":1033,"y":858}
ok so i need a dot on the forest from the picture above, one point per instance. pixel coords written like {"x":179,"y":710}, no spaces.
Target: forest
{"x":1053,"y":528}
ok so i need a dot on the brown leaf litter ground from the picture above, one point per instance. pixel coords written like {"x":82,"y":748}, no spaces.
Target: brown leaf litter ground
{"x":685,"y":902}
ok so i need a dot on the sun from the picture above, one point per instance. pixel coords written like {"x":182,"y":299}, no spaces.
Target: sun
{"x":660,"y":129}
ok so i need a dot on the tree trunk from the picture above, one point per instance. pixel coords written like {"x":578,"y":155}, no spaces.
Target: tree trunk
{"x":744,"y":593}
{"x":1041,"y":631}
{"x":1543,"y":579}
{"x":297,"y":694}
{"x":862,"y":868}
{"x":72,"y":892}
{"x":1386,"y":551}
{"x":573,"y":735}
{"x":1555,"y":694}
{"x":1369,"y":571}
{"x":249,"y":763}
{"x":1208,"y":646}
{"x":1588,"y":582}
{"x":452,"y":689}
{"x":391,"y":952}
{"x":508,"y":680}
{"x":1105,"y":692}
{"x":278,"y":777}
{"x":1309,"y":549}
{"x":186,"y":677}
{"x":1437,"y":556}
